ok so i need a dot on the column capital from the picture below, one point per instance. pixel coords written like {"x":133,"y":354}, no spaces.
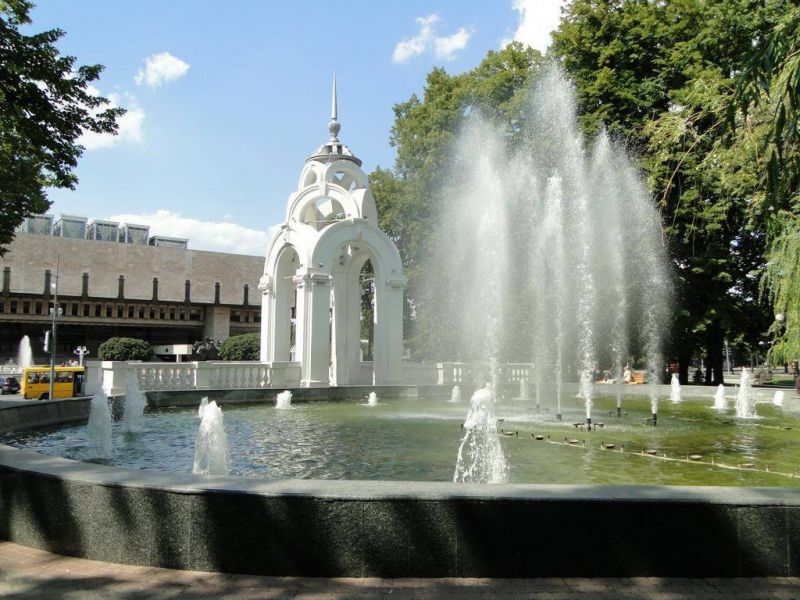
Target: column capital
{"x":265,"y":285}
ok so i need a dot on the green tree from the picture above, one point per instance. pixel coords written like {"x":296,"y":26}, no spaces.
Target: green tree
{"x":246,"y":346}
{"x":768,"y":98}
{"x":45,"y":105}
{"x":659,"y":76}
{"x":424,"y":129}
{"x":124,"y":348}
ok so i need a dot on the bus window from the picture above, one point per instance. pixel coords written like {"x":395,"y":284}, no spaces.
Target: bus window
{"x":33,"y":378}
{"x":44,"y":378}
{"x":64,"y":377}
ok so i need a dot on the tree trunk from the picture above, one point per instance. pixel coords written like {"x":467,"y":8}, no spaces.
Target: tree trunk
{"x":715,"y":347}
{"x":684,"y":362}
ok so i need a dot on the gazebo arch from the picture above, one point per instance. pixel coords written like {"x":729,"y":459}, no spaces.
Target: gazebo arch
{"x":312,"y":270}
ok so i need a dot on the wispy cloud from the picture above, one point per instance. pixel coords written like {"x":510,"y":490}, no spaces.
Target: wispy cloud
{"x":130,"y":125}
{"x":159,"y":69}
{"x":202,"y":235}
{"x":537,"y":19}
{"x":444,"y":47}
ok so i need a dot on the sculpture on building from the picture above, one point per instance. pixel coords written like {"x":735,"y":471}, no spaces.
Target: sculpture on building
{"x":311,"y":287}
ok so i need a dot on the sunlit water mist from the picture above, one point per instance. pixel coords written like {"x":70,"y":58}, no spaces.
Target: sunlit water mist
{"x":24,"y":353}
{"x":550,"y":252}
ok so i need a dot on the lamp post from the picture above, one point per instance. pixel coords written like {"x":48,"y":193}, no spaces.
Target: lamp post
{"x":81,"y":351}
{"x":54,"y":312}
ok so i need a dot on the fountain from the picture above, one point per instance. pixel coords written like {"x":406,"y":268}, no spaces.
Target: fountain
{"x":480,"y":455}
{"x":720,"y":401}
{"x":211,"y":446}
{"x":202,"y":408}
{"x":283,"y":400}
{"x":135,"y":403}
{"x":98,"y":429}
{"x":777,"y":399}
{"x":24,"y":353}
{"x":564,"y":252}
{"x":455,"y":395}
{"x":654,"y":409}
{"x":675,"y":394}
{"x":745,"y":400}
{"x":372,"y":399}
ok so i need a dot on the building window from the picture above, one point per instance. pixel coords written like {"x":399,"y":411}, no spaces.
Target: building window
{"x":26,"y":307}
{"x":141,"y":312}
{"x":257,"y":317}
{"x":74,"y":309}
{"x":2,"y":307}
{"x":152,"y":313}
{"x":109,"y":311}
{"x":13,"y":307}
{"x":172,"y":314}
{"x":235,"y":317}
{"x":182,"y":314}
{"x":37,"y":308}
{"x":130,"y":312}
{"x":86,"y":310}
{"x":119,"y":311}
{"x":194,"y":315}
{"x":97,"y":310}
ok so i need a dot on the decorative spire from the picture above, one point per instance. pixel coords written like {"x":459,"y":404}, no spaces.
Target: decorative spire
{"x":333,"y":124}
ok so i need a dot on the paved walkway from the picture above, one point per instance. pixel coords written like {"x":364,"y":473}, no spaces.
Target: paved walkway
{"x":28,"y":573}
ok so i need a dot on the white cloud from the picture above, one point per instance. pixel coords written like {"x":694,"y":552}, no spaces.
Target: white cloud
{"x":202,"y":235}
{"x":159,"y":69}
{"x":537,"y":19}
{"x":444,"y":47}
{"x":129,"y":125}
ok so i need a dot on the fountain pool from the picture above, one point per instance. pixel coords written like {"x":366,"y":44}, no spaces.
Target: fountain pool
{"x":418,"y":440}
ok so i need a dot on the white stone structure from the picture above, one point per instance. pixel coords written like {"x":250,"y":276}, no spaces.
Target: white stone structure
{"x":314,"y":264}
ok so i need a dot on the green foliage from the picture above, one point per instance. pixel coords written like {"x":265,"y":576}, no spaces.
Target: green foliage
{"x":661,"y":75}
{"x":241,"y":347}
{"x":124,"y":348}
{"x":46,"y":103}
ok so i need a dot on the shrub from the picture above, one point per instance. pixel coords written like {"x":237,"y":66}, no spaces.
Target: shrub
{"x":241,"y":347}
{"x":124,"y":348}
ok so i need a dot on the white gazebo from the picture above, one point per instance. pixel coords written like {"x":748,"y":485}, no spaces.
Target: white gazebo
{"x":312,"y":283}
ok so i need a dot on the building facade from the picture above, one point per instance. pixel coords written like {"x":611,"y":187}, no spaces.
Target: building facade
{"x":167,"y":295}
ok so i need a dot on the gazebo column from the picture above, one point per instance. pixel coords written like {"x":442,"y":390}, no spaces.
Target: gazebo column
{"x":267,"y":317}
{"x":388,"y":314}
{"x":313,"y":348}
{"x":346,"y":328}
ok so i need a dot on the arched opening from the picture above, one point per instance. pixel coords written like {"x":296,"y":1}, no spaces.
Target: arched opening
{"x":285,"y":302}
{"x":322,"y":212}
{"x":366,"y":280}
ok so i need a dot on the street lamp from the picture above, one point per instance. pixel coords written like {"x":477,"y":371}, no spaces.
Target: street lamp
{"x":54,"y":312}
{"x":81,"y":351}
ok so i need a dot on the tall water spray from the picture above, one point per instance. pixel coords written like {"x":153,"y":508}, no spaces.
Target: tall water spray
{"x":211,"y":455}
{"x":720,"y":401}
{"x":745,"y":400}
{"x":98,"y":429}
{"x":202,"y":408}
{"x":675,"y":393}
{"x":372,"y":399}
{"x":550,"y":251}
{"x":24,"y":353}
{"x":283,"y":400}
{"x":777,"y":399}
{"x":135,"y":403}
{"x":455,"y":395}
{"x":480,"y":456}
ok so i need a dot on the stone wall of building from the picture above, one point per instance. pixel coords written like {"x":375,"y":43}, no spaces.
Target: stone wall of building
{"x":30,"y":255}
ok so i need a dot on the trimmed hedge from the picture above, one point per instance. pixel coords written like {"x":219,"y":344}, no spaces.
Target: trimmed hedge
{"x":124,"y":348}
{"x":241,"y":347}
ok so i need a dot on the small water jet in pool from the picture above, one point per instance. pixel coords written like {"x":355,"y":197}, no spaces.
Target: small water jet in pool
{"x":675,"y":394}
{"x":372,"y":399}
{"x":777,"y":399}
{"x":720,"y":401}
{"x":135,"y":403}
{"x":211,"y":455}
{"x":283,"y":400}
{"x":745,"y":401}
{"x":202,"y":408}
{"x":455,"y":395}
{"x":98,"y":429}
{"x":654,"y":409}
{"x":24,"y":353}
{"x":480,"y":455}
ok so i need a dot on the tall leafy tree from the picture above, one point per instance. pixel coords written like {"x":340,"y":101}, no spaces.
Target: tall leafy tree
{"x":659,"y":76}
{"x":46,"y":103}
{"x":423,"y":131}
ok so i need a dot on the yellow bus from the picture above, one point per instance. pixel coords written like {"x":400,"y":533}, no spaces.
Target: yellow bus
{"x":36,"y":382}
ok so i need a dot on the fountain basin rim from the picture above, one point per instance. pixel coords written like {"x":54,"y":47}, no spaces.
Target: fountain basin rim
{"x":27,"y":461}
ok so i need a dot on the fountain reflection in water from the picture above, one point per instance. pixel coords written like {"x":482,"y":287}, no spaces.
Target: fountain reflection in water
{"x":283,"y":400}
{"x":745,"y":401}
{"x":98,"y":429}
{"x":135,"y":403}
{"x":480,"y":455}
{"x":24,"y":353}
{"x":720,"y":401}
{"x":550,"y":251}
{"x":211,"y":447}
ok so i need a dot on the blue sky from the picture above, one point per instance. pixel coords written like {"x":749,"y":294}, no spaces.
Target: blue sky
{"x":226,"y":100}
